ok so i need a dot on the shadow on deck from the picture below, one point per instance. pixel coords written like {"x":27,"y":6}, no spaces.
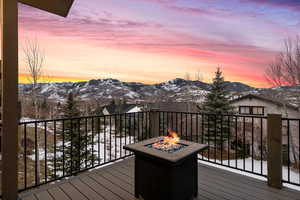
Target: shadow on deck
{"x":116,"y":182}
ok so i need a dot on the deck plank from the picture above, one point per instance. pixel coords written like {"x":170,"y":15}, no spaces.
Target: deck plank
{"x":107,"y":194}
{"x":72,"y":192}
{"x":29,"y":197}
{"x":112,"y":187}
{"x":116,"y":182}
{"x":120,"y":182}
{"x":57,"y":193}
{"x":43,"y":195}
{"x":85,"y":189}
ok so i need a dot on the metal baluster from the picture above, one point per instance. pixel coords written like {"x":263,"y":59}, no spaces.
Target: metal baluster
{"x":143,"y":128}
{"x":116,"y":144}
{"x":222,"y":141}
{"x":45,"y":145}
{"x":244,"y":143}
{"x":228,"y":140}
{"x":288,"y":134}
{"x":86,"y":142}
{"x":104,"y":124}
{"x":186,"y":126}
{"x":93,"y":160}
{"x":208,"y":136}
{"x":72,"y":150}
{"x":167,"y":124}
{"x":63,"y":149}
{"x":134,"y":128}
{"x":138,"y":126}
{"x":197,"y":128}
{"x":110,"y":137}
{"x":191,"y":116}
{"x":55,"y":167}
{"x":236,"y":139}
{"x":125,"y":132}
{"x":215,"y":130}
{"x":176,"y":122}
{"x":25,"y":156}
{"x":261,"y":145}
{"x":202,"y":128}
{"x":36,"y":152}
{"x":78,"y":162}
{"x":121,"y":135}
{"x":99,"y":152}
{"x":181,"y":123}
{"x":252,"y":149}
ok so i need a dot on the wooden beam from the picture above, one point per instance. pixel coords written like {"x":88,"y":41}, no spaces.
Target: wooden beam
{"x":58,"y":7}
{"x":9,"y":30}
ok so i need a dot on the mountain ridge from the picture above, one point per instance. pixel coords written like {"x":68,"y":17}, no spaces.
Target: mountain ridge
{"x":178,"y":89}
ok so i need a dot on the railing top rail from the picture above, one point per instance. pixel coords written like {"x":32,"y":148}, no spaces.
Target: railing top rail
{"x":77,"y":118}
{"x":291,"y":119}
{"x":229,"y":115}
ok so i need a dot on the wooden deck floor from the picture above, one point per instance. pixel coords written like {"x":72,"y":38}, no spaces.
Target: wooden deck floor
{"x":116,"y":182}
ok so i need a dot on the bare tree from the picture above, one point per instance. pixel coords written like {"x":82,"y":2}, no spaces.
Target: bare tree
{"x":286,"y":67}
{"x":198,"y":75}
{"x":34,"y":59}
{"x":286,"y":70}
{"x":187,"y":76}
{"x":34,"y":62}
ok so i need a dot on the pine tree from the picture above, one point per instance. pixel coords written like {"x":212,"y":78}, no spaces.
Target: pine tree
{"x":217,"y":105}
{"x":77,"y":149}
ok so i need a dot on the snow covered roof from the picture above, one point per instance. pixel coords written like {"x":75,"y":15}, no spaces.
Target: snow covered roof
{"x":263,"y":98}
{"x":119,"y":108}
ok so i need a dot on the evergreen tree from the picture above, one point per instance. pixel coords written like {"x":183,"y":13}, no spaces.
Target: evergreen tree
{"x":217,"y":105}
{"x":77,"y":149}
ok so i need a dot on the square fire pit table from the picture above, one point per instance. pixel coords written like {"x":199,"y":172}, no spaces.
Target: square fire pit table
{"x":163,"y":175}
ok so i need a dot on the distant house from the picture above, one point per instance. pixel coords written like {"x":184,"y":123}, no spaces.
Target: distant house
{"x":254,"y":105}
{"x":261,"y":106}
{"x":120,"y":108}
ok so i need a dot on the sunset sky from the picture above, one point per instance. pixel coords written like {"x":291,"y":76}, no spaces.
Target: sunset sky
{"x":157,"y":40}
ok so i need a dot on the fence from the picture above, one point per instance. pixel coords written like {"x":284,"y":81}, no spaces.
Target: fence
{"x":50,"y":150}
{"x":237,"y":141}
{"x":54,"y":149}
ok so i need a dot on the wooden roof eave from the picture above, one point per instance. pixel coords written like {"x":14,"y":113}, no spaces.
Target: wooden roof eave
{"x":58,"y":7}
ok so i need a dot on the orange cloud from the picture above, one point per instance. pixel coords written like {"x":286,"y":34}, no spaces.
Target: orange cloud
{"x":25,"y":78}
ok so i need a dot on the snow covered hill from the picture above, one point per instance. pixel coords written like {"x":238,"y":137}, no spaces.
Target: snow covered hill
{"x":179,"y":90}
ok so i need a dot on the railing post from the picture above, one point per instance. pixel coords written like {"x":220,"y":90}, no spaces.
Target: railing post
{"x":274,"y":142}
{"x":154,"y":123}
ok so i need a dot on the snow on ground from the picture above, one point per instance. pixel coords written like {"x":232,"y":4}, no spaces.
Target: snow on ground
{"x":294,"y":175}
{"x":27,"y":119}
{"x":108,"y":148}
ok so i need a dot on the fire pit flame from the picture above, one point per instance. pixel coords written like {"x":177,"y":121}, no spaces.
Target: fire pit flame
{"x":169,"y":143}
{"x":172,"y":138}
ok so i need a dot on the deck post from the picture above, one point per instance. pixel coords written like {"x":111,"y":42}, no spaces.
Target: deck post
{"x":274,"y":142}
{"x":9,"y":102}
{"x":154,"y":123}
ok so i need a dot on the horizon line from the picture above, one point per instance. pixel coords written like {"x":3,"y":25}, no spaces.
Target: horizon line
{"x":24,"y":79}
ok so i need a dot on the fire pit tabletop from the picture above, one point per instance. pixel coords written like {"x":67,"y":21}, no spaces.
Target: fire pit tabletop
{"x":172,"y":157}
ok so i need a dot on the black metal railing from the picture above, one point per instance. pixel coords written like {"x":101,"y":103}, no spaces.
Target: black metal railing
{"x":291,"y":149}
{"x":50,"y":150}
{"x":53,"y":149}
{"x":237,"y":141}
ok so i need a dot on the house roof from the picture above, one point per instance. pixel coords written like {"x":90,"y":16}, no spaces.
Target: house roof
{"x":266,"y":99}
{"x":119,"y":108}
